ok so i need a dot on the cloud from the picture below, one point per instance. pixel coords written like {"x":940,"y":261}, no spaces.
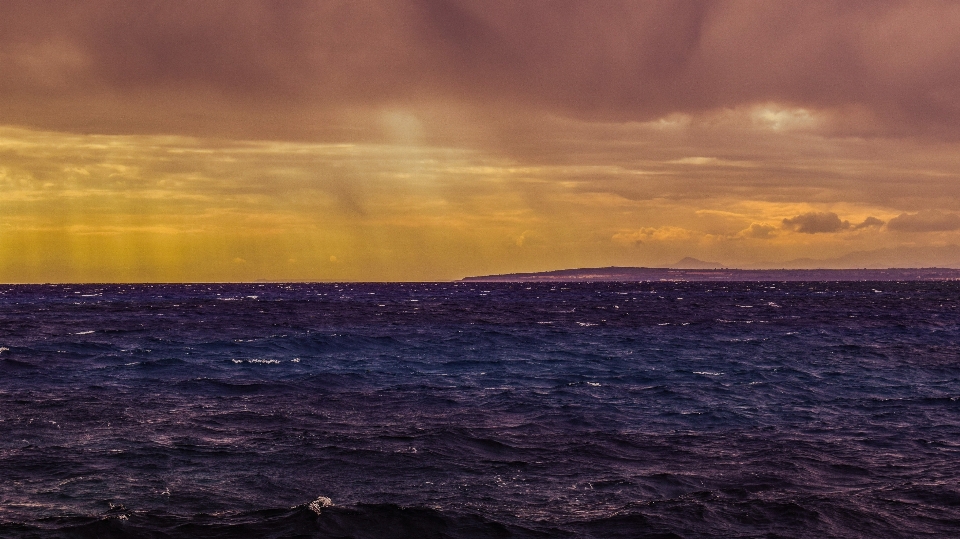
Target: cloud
{"x":925,"y":221}
{"x":176,"y":65}
{"x":869,"y":222}
{"x":654,"y":234}
{"x":759,"y":231}
{"x":815,"y":222}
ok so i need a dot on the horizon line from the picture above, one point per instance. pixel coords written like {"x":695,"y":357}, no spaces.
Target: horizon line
{"x":477,"y":277}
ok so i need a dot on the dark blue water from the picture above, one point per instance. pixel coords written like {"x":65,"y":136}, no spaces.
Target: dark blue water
{"x":481,"y":410}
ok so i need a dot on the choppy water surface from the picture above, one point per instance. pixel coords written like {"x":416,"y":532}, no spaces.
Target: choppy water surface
{"x":481,"y":410}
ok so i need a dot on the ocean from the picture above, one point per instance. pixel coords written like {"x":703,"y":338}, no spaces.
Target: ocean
{"x":481,"y":410}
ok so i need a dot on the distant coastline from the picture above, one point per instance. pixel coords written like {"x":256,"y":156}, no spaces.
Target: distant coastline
{"x":614,"y":274}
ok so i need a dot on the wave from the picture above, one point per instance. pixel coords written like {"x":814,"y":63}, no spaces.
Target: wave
{"x":320,"y":519}
{"x":10,"y":364}
{"x":314,"y":520}
{"x":699,"y":515}
{"x":703,"y":514}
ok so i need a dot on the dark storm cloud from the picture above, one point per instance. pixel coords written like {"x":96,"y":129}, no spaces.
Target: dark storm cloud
{"x":925,"y":221}
{"x":288,"y":68}
{"x":815,"y":222}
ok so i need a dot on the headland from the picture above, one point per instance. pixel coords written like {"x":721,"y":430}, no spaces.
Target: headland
{"x":627,"y":274}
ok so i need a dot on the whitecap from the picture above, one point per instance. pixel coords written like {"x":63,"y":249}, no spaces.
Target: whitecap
{"x":84,"y":332}
{"x":317,"y":505}
{"x":264,"y":361}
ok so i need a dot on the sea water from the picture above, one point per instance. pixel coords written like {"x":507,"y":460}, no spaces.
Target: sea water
{"x":461,"y":410}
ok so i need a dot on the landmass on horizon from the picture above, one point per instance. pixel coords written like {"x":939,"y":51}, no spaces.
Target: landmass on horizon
{"x":692,"y":269}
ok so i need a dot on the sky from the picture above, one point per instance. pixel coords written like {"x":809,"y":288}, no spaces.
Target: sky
{"x":437,"y":139}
